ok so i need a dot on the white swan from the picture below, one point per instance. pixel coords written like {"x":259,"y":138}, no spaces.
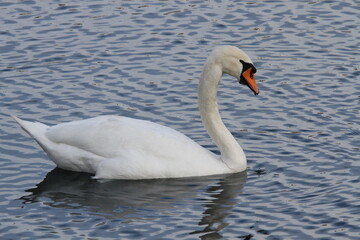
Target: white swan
{"x":114,"y":147}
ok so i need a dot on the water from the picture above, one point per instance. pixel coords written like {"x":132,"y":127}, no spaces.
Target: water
{"x":68,"y":60}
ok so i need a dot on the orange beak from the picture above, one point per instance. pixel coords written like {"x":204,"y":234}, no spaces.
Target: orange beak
{"x":250,"y":81}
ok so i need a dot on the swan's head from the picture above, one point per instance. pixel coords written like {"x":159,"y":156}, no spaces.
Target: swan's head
{"x":238,"y":64}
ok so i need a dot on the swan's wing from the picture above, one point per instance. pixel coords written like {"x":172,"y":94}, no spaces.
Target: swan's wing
{"x":113,"y":137}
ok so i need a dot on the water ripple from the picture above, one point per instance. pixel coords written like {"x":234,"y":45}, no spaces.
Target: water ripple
{"x":72,"y":60}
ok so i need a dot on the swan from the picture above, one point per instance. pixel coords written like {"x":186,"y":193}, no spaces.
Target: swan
{"x":117,"y":147}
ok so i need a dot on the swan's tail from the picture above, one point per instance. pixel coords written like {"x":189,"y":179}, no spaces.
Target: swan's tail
{"x":34,"y":129}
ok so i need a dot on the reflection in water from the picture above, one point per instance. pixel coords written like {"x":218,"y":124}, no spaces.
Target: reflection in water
{"x":123,"y":199}
{"x":223,"y":199}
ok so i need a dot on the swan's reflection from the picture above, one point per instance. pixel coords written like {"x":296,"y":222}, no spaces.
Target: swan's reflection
{"x":121,"y":199}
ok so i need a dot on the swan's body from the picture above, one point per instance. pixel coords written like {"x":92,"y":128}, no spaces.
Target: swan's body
{"x":114,"y":147}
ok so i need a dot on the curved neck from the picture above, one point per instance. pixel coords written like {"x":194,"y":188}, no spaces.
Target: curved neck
{"x":231,"y":152}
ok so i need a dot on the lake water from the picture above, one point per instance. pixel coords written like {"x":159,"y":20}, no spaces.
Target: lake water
{"x":68,"y":60}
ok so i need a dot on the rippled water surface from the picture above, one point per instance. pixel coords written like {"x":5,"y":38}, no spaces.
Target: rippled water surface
{"x":69,"y":60}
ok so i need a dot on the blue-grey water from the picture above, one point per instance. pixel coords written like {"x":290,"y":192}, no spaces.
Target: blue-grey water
{"x":68,"y":60}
